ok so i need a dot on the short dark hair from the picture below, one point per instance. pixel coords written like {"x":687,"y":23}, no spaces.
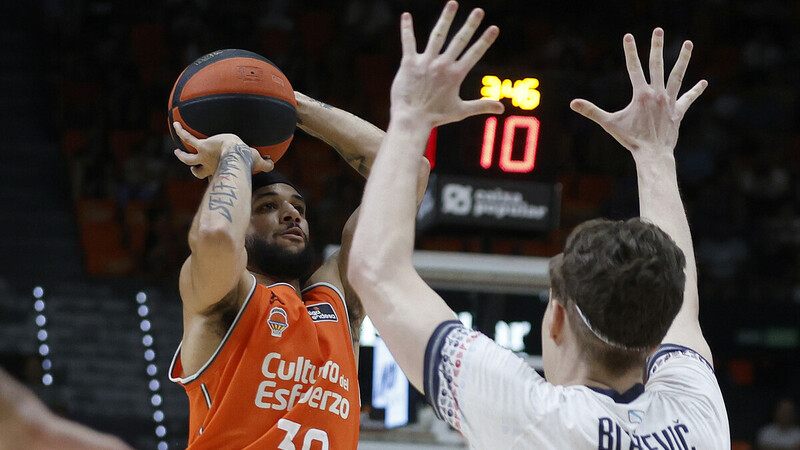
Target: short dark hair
{"x":627,"y":279}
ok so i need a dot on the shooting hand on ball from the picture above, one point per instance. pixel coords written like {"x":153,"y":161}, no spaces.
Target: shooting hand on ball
{"x":204,"y":163}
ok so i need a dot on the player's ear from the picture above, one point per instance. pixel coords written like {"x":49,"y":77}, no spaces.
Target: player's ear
{"x":558,"y":318}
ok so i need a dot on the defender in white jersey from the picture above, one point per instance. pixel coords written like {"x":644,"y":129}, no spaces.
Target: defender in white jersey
{"x":620,"y":291}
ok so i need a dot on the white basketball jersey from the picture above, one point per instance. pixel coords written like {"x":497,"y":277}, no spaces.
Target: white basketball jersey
{"x":498,"y":401}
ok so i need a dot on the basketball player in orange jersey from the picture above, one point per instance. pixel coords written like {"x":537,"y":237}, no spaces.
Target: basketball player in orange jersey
{"x":267,"y":362}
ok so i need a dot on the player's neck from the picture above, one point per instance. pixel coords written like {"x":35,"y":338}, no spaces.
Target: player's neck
{"x":270,"y":279}
{"x":573,"y":368}
{"x":599,"y":378}
{"x":579,"y":372}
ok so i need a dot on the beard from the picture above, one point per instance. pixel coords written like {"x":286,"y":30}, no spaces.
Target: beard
{"x":274,"y":260}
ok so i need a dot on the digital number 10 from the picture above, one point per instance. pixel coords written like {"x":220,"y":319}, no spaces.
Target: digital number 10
{"x":507,"y":164}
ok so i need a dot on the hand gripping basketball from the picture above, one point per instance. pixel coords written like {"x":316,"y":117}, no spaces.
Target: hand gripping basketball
{"x":204,"y":163}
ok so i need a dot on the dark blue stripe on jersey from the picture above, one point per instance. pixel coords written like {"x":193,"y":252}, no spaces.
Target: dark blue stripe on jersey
{"x":625,"y":397}
{"x":433,"y":355}
{"x":670,"y":348}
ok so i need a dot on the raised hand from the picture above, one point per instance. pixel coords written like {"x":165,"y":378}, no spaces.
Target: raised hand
{"x":651,"y":120}
{"x":204,"y":163}
{"x":427,"y":84}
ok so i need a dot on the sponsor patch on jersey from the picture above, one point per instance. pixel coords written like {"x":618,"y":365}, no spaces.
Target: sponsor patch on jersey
{"x":322,"y":312}
{"x":278,"y":321}
{"x":635,"y":416}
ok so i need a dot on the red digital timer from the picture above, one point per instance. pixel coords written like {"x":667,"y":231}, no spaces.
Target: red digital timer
{"x":510,"y":125}
{"x":488,"y":174}
{"x":512,"y":148}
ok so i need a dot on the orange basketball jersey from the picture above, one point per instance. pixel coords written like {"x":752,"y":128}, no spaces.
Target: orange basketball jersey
{"x":284,"y":376}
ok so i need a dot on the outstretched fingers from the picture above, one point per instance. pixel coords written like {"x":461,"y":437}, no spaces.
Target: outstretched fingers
{"x":483,"y":106}
{"x":462,"y":38}
{"x":428,"y":83}
{"x":686,"y":100}
{"x":442,"y":27}
{"x":590,"y":111}
{"x":657,"y":59}
{"x":407,"y":38}
{"x":678,"y":72}
{"x":632,"y":62}
{"x":479,"y":48}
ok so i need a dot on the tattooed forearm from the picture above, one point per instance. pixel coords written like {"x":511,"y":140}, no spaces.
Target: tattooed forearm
{"x":356,"y":140}
{"x":218,"y":202}
{"x":229,"y":164}
{"x":356,"y":161}
{"x":233,"y":165}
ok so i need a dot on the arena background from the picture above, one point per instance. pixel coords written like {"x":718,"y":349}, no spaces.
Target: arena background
{"x":96,"y":208}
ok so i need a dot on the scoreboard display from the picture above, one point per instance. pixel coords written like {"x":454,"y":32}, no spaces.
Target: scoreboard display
{"x":493,"y":171}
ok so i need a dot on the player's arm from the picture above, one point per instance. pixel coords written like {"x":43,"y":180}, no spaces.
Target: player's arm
{"x":357,"y":141}
{"x":26,"y":423}
{"x":648,"y":128}
{"x":425,"y":93}
{"x":354,"y":139}
{"x":218,"y":260}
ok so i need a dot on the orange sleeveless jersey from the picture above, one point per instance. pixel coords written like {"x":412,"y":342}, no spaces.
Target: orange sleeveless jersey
{"x":283,"y":377}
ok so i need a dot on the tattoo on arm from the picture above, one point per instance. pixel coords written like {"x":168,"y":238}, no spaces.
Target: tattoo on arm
{"x":358,"y":162}
{"x":223,"y":192}
{"x":354,"y":159}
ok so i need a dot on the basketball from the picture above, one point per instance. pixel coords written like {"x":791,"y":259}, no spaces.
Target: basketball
{"x":235,"y":91}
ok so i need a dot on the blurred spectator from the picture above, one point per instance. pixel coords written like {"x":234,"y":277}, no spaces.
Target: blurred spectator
{"x":26,"y":423}
{"x":783,"y":433}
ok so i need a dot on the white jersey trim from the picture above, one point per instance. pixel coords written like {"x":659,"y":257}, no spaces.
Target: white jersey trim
{"x":281,"y":284}
{"x":667,"y":351}
{"x":206,"y":395}
{"x":205,"y":366}
{"x":439,"y":366}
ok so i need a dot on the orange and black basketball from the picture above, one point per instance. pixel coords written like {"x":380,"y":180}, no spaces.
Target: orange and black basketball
{"x":235,"y":91}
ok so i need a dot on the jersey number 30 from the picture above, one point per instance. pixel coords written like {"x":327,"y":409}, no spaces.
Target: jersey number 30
{"x":292,"y":428}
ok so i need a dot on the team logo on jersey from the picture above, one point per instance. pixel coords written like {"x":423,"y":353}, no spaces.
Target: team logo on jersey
{"x":278,"y":321}
{"x":635,"y":416}
{"x":322,"y":312}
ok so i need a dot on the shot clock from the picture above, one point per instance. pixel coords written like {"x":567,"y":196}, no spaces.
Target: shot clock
{"x":523,"y":95}
{"x":493,"y":171}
